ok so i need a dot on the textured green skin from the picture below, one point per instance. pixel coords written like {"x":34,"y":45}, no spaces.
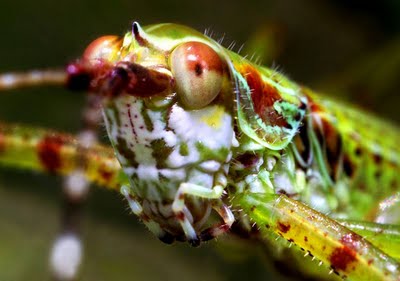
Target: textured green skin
{"x":371,"y":144}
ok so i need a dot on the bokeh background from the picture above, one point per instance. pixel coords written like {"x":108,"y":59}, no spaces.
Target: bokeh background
{"x":347,"y":48}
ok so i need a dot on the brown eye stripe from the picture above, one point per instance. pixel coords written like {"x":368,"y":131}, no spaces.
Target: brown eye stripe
{"x":200,"y":57}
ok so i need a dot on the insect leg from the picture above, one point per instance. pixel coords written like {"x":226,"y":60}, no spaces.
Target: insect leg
{"x":137,"y":209}
{"x":347,"y":253}
{"x":216,"y":230}
{"x":75,"y":189}
{"x":179,"y":207}
{"x":386,"y":237}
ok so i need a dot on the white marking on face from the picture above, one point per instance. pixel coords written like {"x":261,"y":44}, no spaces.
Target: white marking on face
{"x":174,"y":174}
{"x":210,"y":127}
{"x":210,"y":166}
{"x":191,"y":128}
{"x":148,"y":172}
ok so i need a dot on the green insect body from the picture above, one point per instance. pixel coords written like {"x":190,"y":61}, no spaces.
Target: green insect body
{"x":201,"y":132}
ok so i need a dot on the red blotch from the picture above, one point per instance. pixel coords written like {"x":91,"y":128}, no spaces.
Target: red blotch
{"x":263,"y":96}
{"x":105,"y":175}
{"x":48,"y":151}
{"x":345,"y":255}
{"x":342,"y":257}
{"x":284,"y":228}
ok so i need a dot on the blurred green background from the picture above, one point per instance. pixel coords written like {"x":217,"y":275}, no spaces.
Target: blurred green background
{"x":350,"y":49}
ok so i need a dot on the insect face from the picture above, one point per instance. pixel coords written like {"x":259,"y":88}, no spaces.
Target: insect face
{"x":163,"y":100}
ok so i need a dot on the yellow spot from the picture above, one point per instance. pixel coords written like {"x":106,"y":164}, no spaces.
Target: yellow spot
{"x":213,"y":117}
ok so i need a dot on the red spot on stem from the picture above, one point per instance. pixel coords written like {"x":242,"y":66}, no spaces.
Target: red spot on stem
{"x":49,"y":152}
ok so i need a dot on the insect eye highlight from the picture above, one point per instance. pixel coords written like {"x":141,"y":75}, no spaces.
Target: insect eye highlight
{"x":198,"y":72}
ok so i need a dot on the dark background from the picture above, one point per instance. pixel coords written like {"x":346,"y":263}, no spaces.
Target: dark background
{"x":350,"y":49}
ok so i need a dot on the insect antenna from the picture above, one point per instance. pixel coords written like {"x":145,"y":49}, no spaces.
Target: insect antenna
{"x":32,"y":78}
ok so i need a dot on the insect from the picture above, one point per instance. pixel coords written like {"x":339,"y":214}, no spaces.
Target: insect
{"x":206,"y":143}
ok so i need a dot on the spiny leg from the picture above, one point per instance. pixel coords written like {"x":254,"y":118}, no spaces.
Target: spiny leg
{"x":66,"y":253}
{"x":48,"y":151}
{"x":221,"y":228}
{"x":386,"y":237}
{"x":347,"y":253}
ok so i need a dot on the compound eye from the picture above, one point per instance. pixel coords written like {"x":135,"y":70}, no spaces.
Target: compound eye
{"x":103,"y":49}
{"x":198,"y":72}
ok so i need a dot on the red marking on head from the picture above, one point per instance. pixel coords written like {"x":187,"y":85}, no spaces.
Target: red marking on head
{"x":263,"y":96}
{"x":48,"y":150}
{"x":284,"y":228}
{"x":305,"y":239}
{"x":200,"y":57}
